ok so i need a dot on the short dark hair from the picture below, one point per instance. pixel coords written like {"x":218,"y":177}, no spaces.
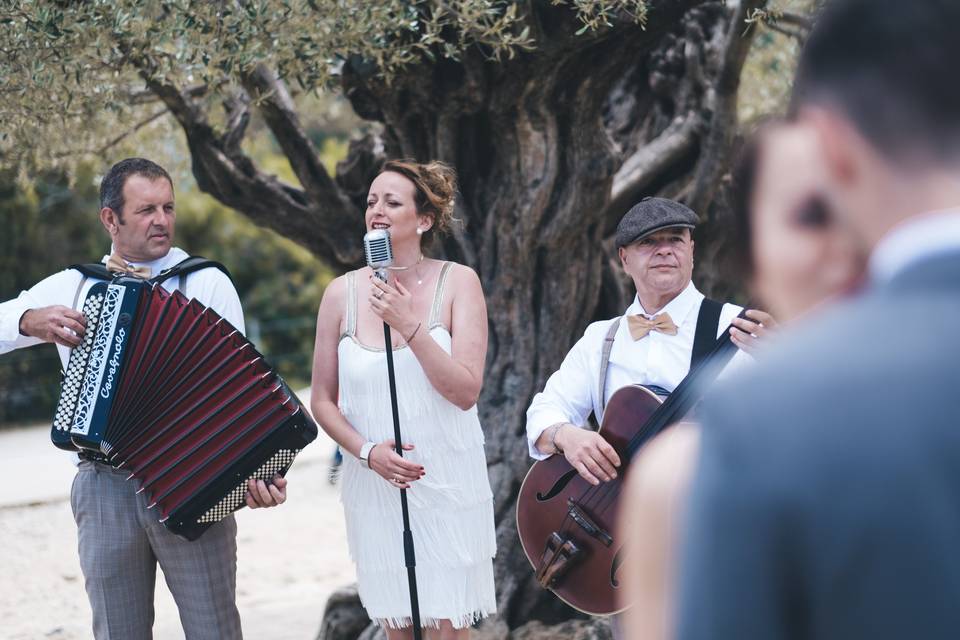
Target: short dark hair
{"x":887,"y":65}
{"x":111,"y":189}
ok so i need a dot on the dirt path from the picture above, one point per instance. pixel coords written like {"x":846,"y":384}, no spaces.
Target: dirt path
{"x":290,"y":558}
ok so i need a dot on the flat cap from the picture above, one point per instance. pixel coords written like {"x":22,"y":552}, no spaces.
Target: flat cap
{"x":650,"y":215}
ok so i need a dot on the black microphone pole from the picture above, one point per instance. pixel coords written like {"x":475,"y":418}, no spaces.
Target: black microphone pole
{"x":408,"y":551}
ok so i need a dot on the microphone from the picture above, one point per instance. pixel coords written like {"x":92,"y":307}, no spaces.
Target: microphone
{"x":379,"y":251}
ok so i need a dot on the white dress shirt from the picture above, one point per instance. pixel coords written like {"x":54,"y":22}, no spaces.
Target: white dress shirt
{"x":913,"y":239}
{"x":572,"y":392}
{"x":211,"y":287}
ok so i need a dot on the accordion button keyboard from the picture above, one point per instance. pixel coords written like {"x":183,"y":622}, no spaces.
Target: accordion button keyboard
{"x":279,"y":463}
{"x":73,"y":376}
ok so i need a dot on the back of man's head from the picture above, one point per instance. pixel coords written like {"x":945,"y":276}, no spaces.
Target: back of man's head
{"x":889,"y":66}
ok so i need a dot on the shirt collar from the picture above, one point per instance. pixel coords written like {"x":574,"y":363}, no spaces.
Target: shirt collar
{"x":915,"y":238}
{"x":679,"y":308}
{"x":174,"y":256}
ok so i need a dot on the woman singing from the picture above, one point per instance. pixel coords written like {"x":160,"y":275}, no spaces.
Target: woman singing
{"x":438,"y":318}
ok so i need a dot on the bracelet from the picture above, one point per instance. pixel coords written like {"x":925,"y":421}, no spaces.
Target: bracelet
{"x":365,"y":452}
{"x":414,"y":332}
{"x":553,"y":438}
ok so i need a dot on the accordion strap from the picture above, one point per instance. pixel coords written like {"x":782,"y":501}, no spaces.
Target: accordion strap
{"x":188,"y":266}
{"x":181,"y":269}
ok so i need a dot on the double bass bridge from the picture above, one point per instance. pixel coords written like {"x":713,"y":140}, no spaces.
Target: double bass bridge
{"x":587,"y":523}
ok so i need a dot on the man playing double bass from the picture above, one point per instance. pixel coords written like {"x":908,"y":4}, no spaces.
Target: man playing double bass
{"x":669,"y":325}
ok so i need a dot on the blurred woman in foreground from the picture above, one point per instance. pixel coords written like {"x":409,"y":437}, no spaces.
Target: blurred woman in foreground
{"x":795,"y":258}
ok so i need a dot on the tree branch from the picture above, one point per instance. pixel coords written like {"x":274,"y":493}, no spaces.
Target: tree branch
{"x":238,"y":117}
{"x":716,"y":146}
{"x":276,"y":106}
{"x":799,"y":35}
{"x":802,"y":22}
{"x":118,"y":139}
{"x":224,"y":171}
{"x":643,"y":168}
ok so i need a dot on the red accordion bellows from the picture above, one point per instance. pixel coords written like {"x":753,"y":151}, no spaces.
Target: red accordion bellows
{"x":164,"y":387}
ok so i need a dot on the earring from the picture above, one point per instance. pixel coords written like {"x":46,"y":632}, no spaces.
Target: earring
{"x":419,"y":231}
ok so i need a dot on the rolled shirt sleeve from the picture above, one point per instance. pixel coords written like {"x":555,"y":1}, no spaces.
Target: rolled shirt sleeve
{"x":57,"y":289}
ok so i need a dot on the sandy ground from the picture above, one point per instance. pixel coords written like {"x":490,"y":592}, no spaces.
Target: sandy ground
{"x":290,"y":558}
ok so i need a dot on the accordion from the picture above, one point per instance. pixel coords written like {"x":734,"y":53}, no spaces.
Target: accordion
{"x":165,"y":388}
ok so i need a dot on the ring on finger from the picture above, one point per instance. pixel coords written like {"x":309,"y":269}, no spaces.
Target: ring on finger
{"x":378,"y":294}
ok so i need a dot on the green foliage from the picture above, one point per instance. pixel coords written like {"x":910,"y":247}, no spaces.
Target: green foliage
{"x":51,"y":223}
{"x":45,"y":227}
{"x":79,"y":67}
{"x":767,"y":75}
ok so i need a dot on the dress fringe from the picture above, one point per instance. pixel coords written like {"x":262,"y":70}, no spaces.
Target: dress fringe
{"x":451,"y":507}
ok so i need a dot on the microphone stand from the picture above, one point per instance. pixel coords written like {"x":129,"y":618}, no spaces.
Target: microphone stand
{"x":408,"y":551}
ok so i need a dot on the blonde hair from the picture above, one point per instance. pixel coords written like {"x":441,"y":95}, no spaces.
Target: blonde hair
{"x":435,"y":191}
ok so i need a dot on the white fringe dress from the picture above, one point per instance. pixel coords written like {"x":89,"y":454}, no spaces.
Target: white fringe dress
{"x":451,"y":507}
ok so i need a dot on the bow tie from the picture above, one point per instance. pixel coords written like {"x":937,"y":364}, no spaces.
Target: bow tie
{"x":117,"y":264}
{"x":641,"y":325}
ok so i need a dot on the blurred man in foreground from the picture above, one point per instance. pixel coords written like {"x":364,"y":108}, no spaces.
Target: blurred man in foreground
{"x":826,"y":503}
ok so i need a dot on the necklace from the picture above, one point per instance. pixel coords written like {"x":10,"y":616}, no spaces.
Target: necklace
{"x":415,"y":264}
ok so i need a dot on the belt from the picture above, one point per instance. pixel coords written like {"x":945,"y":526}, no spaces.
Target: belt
{"x":95,"y":456}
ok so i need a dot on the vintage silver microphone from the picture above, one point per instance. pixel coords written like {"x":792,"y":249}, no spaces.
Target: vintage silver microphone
{"x":379,"y":251}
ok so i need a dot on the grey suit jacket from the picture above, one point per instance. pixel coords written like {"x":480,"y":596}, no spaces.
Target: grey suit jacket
{"x":827,"y":499}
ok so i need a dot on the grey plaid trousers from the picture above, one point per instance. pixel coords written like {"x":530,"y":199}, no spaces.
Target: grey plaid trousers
{"x":120,"y":544}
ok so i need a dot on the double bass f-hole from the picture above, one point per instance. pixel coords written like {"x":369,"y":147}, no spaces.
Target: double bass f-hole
{"x":557,"y":487}
{"x":565,"y":527}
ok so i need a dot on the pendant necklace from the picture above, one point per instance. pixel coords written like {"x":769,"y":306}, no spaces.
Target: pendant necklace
{"x":415,"y":264}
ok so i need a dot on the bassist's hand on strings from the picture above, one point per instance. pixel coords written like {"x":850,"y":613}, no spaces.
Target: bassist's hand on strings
{"x":592,"y":456}
{"x":393,"y":468}
{"x":748,"y":332}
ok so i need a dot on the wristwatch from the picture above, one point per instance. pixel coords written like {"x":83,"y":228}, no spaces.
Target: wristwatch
{"x":365,"y":453}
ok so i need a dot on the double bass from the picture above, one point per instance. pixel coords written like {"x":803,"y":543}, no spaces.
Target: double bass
{"x":568,"y":527}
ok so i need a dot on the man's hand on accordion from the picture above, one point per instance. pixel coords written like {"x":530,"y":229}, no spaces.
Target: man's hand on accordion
{"x":262,"y":494}
{"x":59,"y":324}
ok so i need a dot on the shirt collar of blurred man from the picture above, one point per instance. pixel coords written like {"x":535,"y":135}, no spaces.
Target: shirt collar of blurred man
{"x":921,"y":235}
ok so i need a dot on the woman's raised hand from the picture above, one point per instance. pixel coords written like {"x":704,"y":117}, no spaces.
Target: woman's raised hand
{"x":394,"y":305}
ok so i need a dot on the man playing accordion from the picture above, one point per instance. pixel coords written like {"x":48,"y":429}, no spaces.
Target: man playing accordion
{"x":120,"y":542}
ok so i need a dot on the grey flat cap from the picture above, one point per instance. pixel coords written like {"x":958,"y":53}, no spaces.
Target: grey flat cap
{"x":650,"y":215}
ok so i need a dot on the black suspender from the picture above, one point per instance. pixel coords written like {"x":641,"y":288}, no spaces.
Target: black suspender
{"x":708,"y":321}
{"x":704,"y":340}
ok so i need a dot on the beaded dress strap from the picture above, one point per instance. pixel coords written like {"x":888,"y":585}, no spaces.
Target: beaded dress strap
{"x":350,"y":326}
{"x":438,"y":296}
